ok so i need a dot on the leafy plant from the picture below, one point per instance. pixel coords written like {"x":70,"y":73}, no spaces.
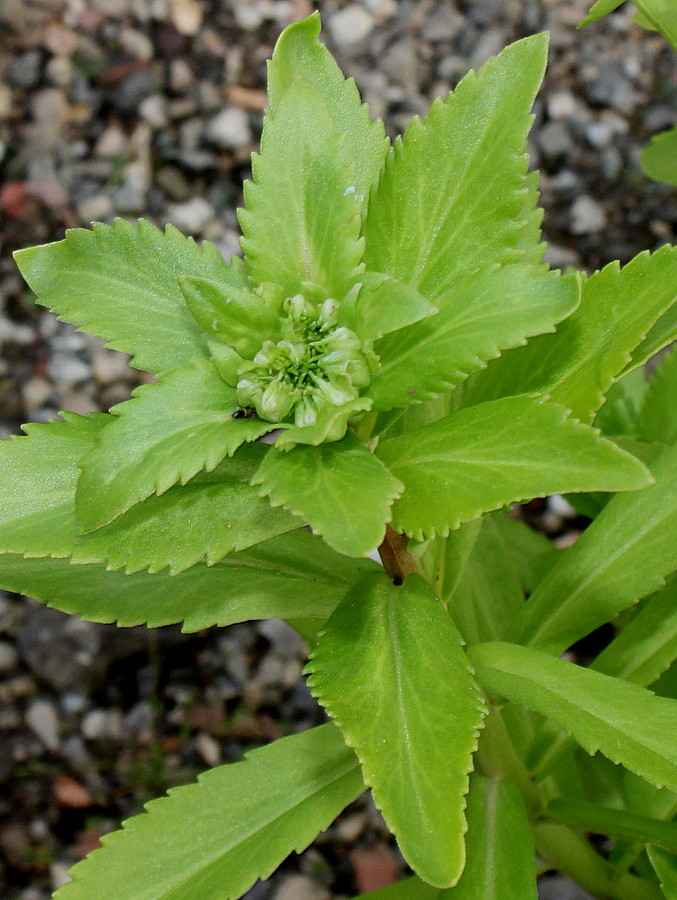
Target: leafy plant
{"x":659,"y":159}
{"x":393,"y":322}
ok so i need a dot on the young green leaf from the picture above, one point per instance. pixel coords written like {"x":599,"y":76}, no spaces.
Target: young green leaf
{"x":215,"y":838}
{"x":390,"y":670}
{"x":618,"y":823}
{"x":627,"y":723}
{"x":665,"y":865}
{"x":501,"y":864}
{"x":166,"y":434}
{"x":453,"y":196}
{"x":37,"y":485}
{"x":600,"y":9}
{"x":480,"y":459}
{"x":660,"y":335}
{"x":623,"y":556}
{"x":658,"y":417}
{"x":620,"y":414}
{"x":327,"y":486}
{"x":646,"y":647}
{"x":409,"y":889}
{"x":303,"y":179}
{"x":470,"y":329}
{"x":291,"y":576}
{"x":119,"y":282}
{"x":577,"y":364}
{"x":299,"y":54}
{"x":659,"y":159}
{"x":383,"y":305}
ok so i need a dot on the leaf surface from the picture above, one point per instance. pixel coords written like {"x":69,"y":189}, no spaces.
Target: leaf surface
{"x":216,"y":837}
{"x":299,"y":54}
{"x":623,"y":556}
{"x":167,"y":433}
{"x":578,"y":364}
{"x":340,"y":489}
{"x":119,"y":282}
{"x":303,"y":179}
{"x":665,"y":865}
{"x":481,"y":315}
{"x":291,"y":576}
{"x":659,"y":159}
{"x":660,"y":335}
{"x":480,"y":459}
{"x":501,"y":863}
{"x":617,"y":823}
{"x":600,"y":9}
{"x":647,"y":646}
{"x":658,"y":416}
{"x":390,"y":670}
{"x":627,"y":723}
{"x":454,"y":196}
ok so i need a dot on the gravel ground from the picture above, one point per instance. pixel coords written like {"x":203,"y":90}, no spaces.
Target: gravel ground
{"x":151,"y":108}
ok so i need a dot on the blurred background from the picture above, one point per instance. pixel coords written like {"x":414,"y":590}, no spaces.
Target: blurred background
{"x":152,"y":108}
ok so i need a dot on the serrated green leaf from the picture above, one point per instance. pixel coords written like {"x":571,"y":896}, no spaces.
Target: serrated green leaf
{"x":505,"y":451}
{"x":665,"y":865}
{"x":664,"y":332}
{"x":299,"y":54}
{"x":389,"y":668}
{"x":489,"y":594}
{"x":658,"y":417}
{"x":501,"y":863}
{"x":291,"y":576}
{"x":627,"y":723}
{"x":38,"y":476}
{"x":383,"y":305}
{"x":119,"y":282}
{"x":169,"y":431}
{"x":409,"y":889}
{"x":623,"y":556}
{"x":618,"y":823}
{"x":304,"y":179}
{"x":620,"y":413}
{"x":647,"y":646}
{"x":214,"y":514}
{"x":216,"y":837}
{"x":659,"y":159}
{"x":481,"y":315}
{"x":341,"y":489}
{"x":239,"y":317}
{"x":577,"y":364}
{"x":600,"y":9}
{"x":661,"y":15}
{"x":454,"y":196}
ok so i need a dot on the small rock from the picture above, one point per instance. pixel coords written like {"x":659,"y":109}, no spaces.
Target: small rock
{"x":381,"y":9}
{"x":350,"y":25}
{"x":102,"y":724}
{"x":42,"y":719}
{"x":73,"y":703}
{"x":60,"y":40}
{"x":230,"y":128}
{"x":350,"y":828}
{"x":186,"y":15}
{"x":133,"y":89}
{"x":560,"y":257}
{"x":154,"y":110}
{"x":5,"y":101}
{"x":375,"y":868}
{"x":136,"y":43}
{"x":111,"y":365}
{"x":58,"y":875}
{"x":98,"y":208}
{"x":66,"y":369}
{"x":190,"y":217}
{"x":208,"y":748}
{"x":562,"y":105}
{"x":300,"y":887}
{"x":8,"y":657}
{"x":112,"y":143}
{"x":69,"y":793}
{"x":50,"y":107}
{"x":113,"y":9}
{"x":181,"y":76}
{"x":587,"y":216}
{"x":24,"y":70}
{"x":35,"y":392}
{"x":60,"y":71}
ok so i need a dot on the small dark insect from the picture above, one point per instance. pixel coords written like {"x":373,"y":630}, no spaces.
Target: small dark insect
{"x":246,"y":413}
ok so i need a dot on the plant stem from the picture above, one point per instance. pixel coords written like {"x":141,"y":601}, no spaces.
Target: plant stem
{"x":570,"y":853}
{"x":397,"y":561}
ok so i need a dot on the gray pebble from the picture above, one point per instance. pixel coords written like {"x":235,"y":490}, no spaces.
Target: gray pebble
{"x":554,"y":140}
{"x":42,"y":719}
{"x":190,"y":217}
{"x":587,"y":216}
{"x":24,"y":70}
{"x":102,"y":724}
{"x":350,"y":25}
{"x":230,"y":128}
{"x":300,"y":887}
{"x":66,"y":369}
{"x":8,"y":657}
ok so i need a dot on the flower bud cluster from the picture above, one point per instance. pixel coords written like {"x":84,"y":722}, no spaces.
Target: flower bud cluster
{"x":317,"y":364}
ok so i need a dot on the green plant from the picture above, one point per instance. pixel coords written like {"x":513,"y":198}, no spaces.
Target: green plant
{"x":659,"y":159}
{"x":393,"y":320}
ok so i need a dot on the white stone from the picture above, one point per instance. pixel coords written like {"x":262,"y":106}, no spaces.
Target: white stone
{"x":562,"y":105}
{"x":300,"y":887}
{"x":190,"y":217}
{"x":587,"y":216}
{"x":382,"y":9}
{"x":8,"y":657}
{"x":208,"y":749}
{"x":43,"y":721}
{"x":350,"y":25}
{"x":110,"y":365}
{"x":230,"y":128}
{"x":154,"y":110}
